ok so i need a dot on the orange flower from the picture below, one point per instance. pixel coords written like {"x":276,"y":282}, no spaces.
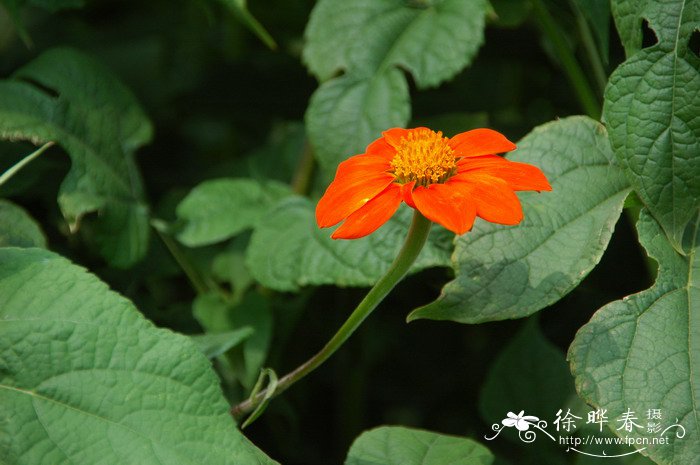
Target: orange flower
{"x":450,"y":181}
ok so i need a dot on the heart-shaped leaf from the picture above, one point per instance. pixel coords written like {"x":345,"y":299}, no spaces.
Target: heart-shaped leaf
{"x":513,"y":271}
{"x":85,"y":379}
{"x":650,"y":109}
{"x":66,"y":97}
{"x":642,"y":353}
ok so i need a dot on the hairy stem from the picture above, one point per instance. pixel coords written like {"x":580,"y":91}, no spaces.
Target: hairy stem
{"x":417,"y":235}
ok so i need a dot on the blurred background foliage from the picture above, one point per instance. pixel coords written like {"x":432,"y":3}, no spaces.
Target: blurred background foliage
{"x":228,"y":99}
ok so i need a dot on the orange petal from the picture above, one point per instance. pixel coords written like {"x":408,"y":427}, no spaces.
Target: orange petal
{"x":358,"y":180}
{"x":494,"y":200}
{"x":480,"y":142}
{"x":407,"y":193}
{"x":393,"y":136}
{"x":362,"y":165}
{"x":372,"y":215}
{"x":381,"y":148}
{"x":446,"y":204}
{"x":519,"y":176}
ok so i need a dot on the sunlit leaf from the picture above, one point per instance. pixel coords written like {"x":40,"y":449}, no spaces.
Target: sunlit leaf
{"x":396,"y":445}
{"x":288,"y":250}
{"x":87,"y":380}
{"x":643,"y":352}
{"x":513,"y":271}
{"x":651,"y":107}
{"x":66,"y":97}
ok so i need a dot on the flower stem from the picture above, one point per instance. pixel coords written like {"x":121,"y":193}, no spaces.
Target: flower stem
{"x":200,"y":283}
{"x":573,"y":70}
{"x":23,"y":162}
{"x":305,"y":170}
{"x":417,"y":235}
{"x":591,"y":48}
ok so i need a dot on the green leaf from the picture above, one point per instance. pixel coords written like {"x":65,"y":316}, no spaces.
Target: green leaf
{"x":66,"y":97}
{"x":529,"y":374}
{"x":510,"y":13}
{"x":288,"y":250}
{"x":229,"y":266}
{"x":513,"y":271}
{"x":213,"y":345}
{"x":643,"y":352}
{"x":253,"y":312}
{"x":221,"y":208}
{"x":651,"y":106}
{"x":432,"y":40}
{"x":396,"y":445}
{"x":347,"y":113}
{"x":370,"y":43}
{"x":17,"y":228}
{"x":86,"y":379}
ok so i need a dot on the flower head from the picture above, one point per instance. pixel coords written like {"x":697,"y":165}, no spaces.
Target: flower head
{"x":450,"y":181}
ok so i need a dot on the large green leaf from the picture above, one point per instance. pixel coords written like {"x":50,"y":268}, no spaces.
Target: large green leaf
{"x":348,"y":112}
{"x":17,"y":228}
{"x":370,"y":42}
{"x":433,"y":40}
{"x":85,"y":379}
{"x":511,"y":272}
{"x":218,"y":209}
{"x":651,"y":107}
{"x":643,"y":352}
{"x":66,"y":97}
{"x":288,"y":250}
{"x":396,"y":445}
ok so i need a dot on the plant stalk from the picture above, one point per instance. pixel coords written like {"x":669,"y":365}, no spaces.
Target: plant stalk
{"x":23,"y":162}
{"x":417,"y":235}
{"x":573,"y":71}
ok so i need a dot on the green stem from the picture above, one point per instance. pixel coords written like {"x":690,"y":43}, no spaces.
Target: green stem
{"x":571,"y":67}
{"x":199,"y":283}
{"x":592,"y":51}
{"x":304,"y":171}
{"x":417,"y":235}
{"x":23,"y":162}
